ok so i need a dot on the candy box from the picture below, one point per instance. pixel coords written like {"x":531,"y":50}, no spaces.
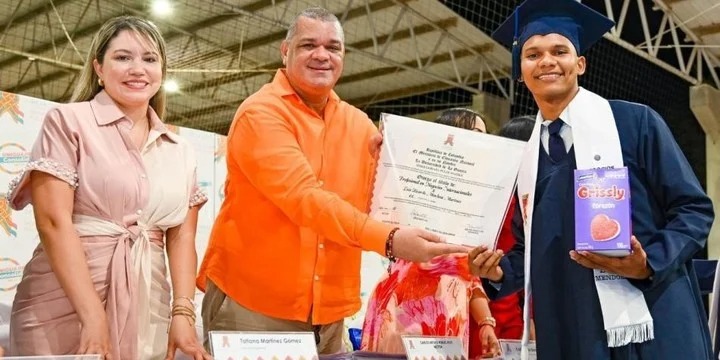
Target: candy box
{"x":602,"y":211}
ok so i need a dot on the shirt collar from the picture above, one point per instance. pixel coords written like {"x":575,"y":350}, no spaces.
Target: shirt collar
{"x":565,"y":114}
{"x":107,"y":112}
{"x":158,"y":127}
{"x":283,"y":87}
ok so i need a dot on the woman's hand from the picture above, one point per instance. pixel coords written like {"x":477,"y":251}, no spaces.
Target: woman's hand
{"x":489,"y":342}
{"x":183,"y":337}
{"x":95,"y":336}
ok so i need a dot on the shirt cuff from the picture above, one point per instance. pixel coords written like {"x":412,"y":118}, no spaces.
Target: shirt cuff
{"x":374,"y":235}
{"x":495,"y":285}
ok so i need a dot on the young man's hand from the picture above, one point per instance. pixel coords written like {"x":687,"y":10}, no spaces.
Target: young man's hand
{"x":485,"y":263}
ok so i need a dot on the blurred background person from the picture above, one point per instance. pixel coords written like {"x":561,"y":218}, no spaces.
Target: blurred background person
{"x":462,"y":118}
{"x":518,"y":128}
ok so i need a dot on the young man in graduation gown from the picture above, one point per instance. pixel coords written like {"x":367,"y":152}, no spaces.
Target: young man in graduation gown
{"x":645,"y":305}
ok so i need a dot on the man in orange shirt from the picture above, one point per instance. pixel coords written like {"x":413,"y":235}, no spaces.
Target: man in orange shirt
{"x":284,"y":253}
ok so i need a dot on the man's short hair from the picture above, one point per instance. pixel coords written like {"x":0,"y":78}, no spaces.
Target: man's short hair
{"x":315,"y":13}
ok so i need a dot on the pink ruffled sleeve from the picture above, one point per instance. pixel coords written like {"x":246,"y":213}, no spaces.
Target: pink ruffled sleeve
{"x":197,"y":195}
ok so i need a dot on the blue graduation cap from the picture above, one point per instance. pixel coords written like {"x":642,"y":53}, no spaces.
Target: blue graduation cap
{"x":582,"y":25}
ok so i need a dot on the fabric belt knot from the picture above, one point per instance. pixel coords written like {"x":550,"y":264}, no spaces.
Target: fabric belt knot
{"x":129,"y":279}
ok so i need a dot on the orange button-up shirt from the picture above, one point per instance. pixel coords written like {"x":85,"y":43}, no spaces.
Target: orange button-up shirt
{"x":289,"y":234}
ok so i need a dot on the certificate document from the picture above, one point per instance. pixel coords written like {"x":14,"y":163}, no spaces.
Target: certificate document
{"x":454,"y":182}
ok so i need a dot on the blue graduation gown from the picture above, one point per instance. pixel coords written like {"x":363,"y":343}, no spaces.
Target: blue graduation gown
{"x":671,"y":217}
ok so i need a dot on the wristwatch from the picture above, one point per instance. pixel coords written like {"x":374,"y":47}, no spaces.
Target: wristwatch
{"x":488,"y":320}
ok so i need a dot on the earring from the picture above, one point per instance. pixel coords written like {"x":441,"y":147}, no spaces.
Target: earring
{"x":100,"y":82}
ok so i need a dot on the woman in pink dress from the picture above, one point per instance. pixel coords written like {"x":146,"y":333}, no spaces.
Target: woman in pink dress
{"x":111,"y":190}
{"x":437,"y":298}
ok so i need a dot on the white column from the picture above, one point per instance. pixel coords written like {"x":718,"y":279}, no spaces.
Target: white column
{"x":704,"y":100}
{"x":713,"y":190}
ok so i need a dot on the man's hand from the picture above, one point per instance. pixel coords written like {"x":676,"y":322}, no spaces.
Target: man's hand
{"x":485,"y":263}
{"x":633,"y":266}
{"x":419,"y":245}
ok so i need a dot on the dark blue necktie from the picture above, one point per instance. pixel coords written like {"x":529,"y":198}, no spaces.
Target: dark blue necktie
{"x":556,"y":143}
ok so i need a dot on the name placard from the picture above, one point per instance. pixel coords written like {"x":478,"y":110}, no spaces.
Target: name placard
{"x":426,"y":347}
{"x":511,"y":349}
{"x":236,"y":345}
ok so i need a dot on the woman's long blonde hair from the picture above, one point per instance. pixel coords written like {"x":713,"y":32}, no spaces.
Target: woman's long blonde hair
{"x":88,"y":86}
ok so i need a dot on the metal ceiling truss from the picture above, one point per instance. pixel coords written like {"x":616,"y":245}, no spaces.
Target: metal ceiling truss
{"x":407,"y":26}
{"x":448,"y":41}
{"x":375,"y":48}
{"x":691,"y":67}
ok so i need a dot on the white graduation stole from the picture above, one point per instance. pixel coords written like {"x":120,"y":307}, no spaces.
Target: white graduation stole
{"x":596,"y":141}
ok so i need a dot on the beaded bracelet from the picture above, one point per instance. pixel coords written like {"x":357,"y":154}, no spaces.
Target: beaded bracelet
{"x":389,"y":247}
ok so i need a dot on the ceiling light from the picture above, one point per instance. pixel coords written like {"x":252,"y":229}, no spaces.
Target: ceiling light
{"x":171,"y":86}
{"x":161,"y":7}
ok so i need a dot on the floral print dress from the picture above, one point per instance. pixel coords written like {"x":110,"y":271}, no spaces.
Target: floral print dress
{"x":429,"y":299}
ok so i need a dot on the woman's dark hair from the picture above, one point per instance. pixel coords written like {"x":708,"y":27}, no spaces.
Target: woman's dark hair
{"x":458,"y":117}
{"x":518,"y":128}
